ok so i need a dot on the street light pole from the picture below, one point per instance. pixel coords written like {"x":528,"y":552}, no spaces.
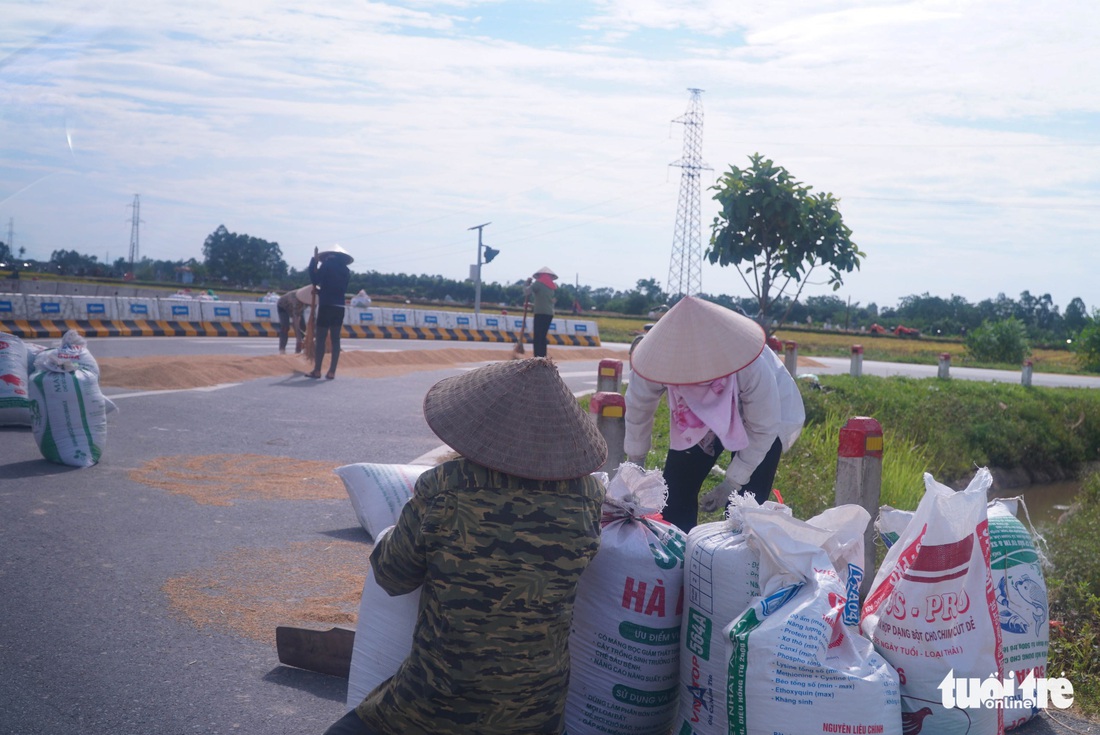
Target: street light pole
{"x":477,"y":273}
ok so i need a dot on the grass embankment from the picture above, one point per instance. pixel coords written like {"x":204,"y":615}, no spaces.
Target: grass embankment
{"x":949,"y":428}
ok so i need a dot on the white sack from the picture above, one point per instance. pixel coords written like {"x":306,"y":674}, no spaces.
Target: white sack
{"x":379,"y":491}
{"x":624,"y":643}
{"x":932,"y":611}
{"x":15,"y":402}
{"x":383,"y":635}
{"x":795,"y":667}
{"x":69,"y":416}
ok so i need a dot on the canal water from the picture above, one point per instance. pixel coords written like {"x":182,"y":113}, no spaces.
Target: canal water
{"x":1045,"y":503}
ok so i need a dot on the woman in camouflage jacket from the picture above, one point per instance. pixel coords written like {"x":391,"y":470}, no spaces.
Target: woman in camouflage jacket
{"x":498,"y":540}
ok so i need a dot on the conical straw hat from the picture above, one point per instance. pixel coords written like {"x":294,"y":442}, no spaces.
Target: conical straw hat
{"x":547,"y":271}
{"x":697,"y":341}
{"x":305,"y":295}
{"x":516,"y":417}
{"x":339,"y":251}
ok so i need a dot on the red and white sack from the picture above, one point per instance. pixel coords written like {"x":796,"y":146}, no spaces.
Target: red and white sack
{"x":932,"y":610}
{"x":15,"y":408}
{"x":383,"y":635}
{"x":1017,"y":566}
{"x":625,"y":639}
{"x":795,"y":667}
{"x":378,"y":492}
{"x":720,"y":580}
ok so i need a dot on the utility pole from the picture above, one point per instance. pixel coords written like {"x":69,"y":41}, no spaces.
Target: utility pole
{"x":477,"y":273}
{"x":685,"y":275}
{"x":134,"y":221}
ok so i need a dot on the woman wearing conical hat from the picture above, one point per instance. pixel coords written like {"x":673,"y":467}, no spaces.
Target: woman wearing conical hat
{"x":540,"y":290}
{"x":727,"y":391}
{"x":497,"y":541}
{"x":328,"y":271}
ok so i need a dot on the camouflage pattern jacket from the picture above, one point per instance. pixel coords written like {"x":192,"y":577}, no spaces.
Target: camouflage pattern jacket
{"x":499,"y":558}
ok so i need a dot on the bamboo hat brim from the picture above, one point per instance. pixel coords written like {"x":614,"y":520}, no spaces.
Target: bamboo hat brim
{"x":516,"y":417}
{"x":305,"y":295}
{"x":339,"y":251}
{"x":697,"y":341}
{"x":547,"y":271}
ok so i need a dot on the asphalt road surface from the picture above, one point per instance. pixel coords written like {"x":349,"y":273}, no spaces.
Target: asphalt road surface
{"x":89,"y":643}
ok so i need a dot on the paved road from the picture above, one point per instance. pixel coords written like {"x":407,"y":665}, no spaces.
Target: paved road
{"x":88,"y":640}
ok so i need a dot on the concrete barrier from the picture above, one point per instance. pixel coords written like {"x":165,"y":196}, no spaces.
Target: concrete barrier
{"x":357,"y":316}
{"x":48,"y":306}
{"x":492,"y":322}
{"x":1025,"y":374}
{"x":137,"y":307}
{"x":582,"y":327}
{"x":857,"y":361}
{"x":944,"y":366}
{"x":219,"y":311}
{"x":435,"y":319}
{"x":12,"y":306}
{"x":179,"y":310}
{"x":398,"y":317}
{"x":94,"y":307}
{"x":259,"y":311}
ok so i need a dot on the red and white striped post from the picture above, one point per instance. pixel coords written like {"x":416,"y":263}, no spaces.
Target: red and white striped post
{"x":945,"y":365}
{"x":857,"y":361}
{"x":790,"y":358}
{"x":859,"y":480}
{"x":609,"y":408}
{"x":609,"y":376}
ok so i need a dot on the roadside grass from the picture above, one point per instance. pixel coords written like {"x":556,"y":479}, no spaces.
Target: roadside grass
{"x":1074,"y":595}
{"x":916,"y":351}
{"x":949,"y":429}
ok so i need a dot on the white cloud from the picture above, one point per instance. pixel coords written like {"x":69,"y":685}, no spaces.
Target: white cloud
{"x":959,"y":137}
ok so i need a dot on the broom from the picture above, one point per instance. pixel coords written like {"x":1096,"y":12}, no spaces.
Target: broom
{"x":311,"y":328}
{"x":518,"y":349}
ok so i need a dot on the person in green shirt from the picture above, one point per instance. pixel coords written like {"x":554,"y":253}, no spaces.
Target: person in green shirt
{"x":497,"y":541}
{"x":540,"y":290}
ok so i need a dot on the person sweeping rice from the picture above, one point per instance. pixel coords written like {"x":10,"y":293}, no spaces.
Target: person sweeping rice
{"x":328,"y":271}
{"x":497,"y":540}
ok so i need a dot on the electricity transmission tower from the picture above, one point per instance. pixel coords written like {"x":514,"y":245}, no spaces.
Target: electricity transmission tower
{"x":685,"y":275}
{"x":134,"y":221}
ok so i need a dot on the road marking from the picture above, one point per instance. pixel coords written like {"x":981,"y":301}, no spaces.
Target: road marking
{"x":204,"y":389}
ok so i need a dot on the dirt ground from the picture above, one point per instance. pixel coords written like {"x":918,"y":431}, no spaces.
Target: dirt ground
{"x":200,"y":371}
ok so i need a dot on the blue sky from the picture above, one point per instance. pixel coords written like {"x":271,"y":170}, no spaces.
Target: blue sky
{"x":961,"y":138}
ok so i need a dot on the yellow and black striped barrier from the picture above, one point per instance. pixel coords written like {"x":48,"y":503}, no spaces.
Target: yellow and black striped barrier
{"x":55,"y":328}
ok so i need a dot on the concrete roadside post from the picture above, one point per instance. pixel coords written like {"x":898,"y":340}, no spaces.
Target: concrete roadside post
{"x":857,"y":361}
{"x":790,"y":358}
{"x":1025,"y":375}
{"x":859,"y":481}
{"x":609,"y":408}
{"x":945,"y":365}
{"x":609,"y":377}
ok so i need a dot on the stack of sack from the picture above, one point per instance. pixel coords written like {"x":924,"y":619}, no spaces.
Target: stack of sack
{"x":55,"y":392}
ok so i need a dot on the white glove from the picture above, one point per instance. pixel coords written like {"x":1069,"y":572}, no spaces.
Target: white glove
{"x":638,"y":459}
{"x":719,"y":497}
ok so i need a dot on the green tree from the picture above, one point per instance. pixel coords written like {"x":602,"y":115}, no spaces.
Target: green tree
{"x":1003,"y":341}
{"x":1087,"y":345}
{"x":776,"y":230}
{"x":241,"y":259}
{"x":1076,"y":316}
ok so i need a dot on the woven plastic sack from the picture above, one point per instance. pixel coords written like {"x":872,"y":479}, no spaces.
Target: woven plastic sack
{"x":15,"y":408}
{"x":378,"y":492}
{"x":1016,"y":562}
{"x":69,"y":416}
{"x":932,"y":611}
{"x":795,"y":667}
{"x":625,"y":639}
{"x":383,"y":635}
{"x":722,"y":579}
